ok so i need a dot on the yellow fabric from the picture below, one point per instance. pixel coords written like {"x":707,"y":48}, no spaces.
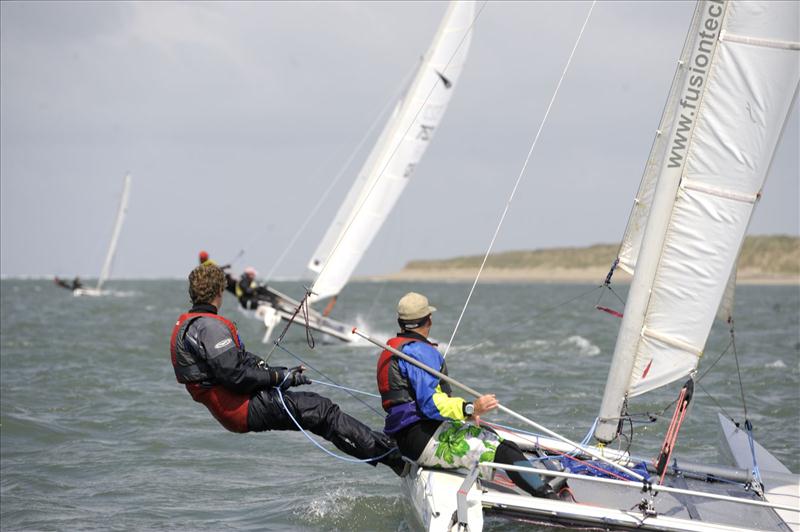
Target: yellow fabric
{"x":452,"y":407}
{"x":207,"y":262}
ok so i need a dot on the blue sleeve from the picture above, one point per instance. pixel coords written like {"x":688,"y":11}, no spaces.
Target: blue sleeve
{"x":423,"y":383}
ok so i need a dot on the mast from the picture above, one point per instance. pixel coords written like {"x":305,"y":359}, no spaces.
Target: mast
{"x":394,"y":158}
{"x":112,"y":247}
{"x":737,"y":92}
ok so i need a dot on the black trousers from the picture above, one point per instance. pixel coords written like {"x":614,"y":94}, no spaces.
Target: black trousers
{"x":321,"y":416}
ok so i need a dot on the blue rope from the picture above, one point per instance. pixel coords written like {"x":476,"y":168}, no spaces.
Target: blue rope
{"x":279,"y":346}
{"x":312,"y":440}
{"x":756,"y":473}
{"x":588,"y":438}
{"x":345,"y":388}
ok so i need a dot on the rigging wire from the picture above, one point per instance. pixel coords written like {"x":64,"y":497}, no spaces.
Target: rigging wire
{"x":525,"y":321}
{"x":519,"y":178}
{"x":379,"y":119}
{"x":349,"y":391}
{"x":397,"y":146}
{"x":309,"y":338}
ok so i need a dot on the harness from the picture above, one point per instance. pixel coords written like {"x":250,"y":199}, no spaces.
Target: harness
{"x":229,"y":408}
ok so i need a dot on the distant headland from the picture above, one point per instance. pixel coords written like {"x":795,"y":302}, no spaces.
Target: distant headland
{"x":771,"y":259}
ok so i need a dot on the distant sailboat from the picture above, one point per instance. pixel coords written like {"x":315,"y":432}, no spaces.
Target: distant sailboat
{"x":384,"y":175}
{"x":105,"y":273}
{"x":736,"y":83}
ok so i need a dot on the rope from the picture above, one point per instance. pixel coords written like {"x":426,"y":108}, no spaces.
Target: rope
{"x":738,"y":369}
{"x":309,"y":337}
{"x":323,"y":449}
{"x":747,"y":424}
{"x":345,"y":388}
{"x":519,"y":179}
{"x":555,"y":451}
{"x":306,"y":364}
{"x":397,"y":147}
{"x":756,"y":473}
{"x":376,"y":299}
{"x":671,"y":436}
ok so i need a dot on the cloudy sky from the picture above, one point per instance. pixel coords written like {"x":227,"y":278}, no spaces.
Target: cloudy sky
{"x":233,"y":119}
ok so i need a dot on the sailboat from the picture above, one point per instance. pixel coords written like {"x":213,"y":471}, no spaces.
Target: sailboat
{"x":105,"y":272}
{"x":735,"y":85}
{"x":383,"y":177}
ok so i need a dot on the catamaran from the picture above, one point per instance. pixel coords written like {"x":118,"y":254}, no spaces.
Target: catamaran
{"x":735,"y":85}
{"x":105,"y":272}
{"x":383,"y":177}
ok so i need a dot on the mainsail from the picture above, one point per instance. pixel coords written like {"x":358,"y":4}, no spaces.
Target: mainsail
{"x":393,"y":159}
{"x":737,"y":89}
{"x":105,"y":273}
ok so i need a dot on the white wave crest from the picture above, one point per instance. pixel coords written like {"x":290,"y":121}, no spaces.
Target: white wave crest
{"x":585,"y":347}
{"x":362,"y":325}
{"x":334,"y":504}
{"x":777,"y":364}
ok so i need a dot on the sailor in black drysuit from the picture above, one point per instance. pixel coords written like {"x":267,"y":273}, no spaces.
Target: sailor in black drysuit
{"x":76,"y":283}
{"x":241,"y":390}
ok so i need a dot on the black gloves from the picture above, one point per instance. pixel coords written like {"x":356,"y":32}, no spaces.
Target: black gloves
{"x":286,"y":378}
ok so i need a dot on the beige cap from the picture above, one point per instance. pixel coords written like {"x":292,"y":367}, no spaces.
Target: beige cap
{"x":413,"y":306}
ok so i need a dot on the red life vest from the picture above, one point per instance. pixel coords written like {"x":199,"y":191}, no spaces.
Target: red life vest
{"x":229,"y":408}
{"x":393,"y":387}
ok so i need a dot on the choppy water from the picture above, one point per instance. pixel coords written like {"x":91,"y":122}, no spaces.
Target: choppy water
{"x":96,"y":434}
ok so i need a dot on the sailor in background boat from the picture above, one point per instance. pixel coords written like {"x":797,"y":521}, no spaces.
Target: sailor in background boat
{"x":431,"y":427}
{"x":76,"y":283}
{"x":203,"y":258}
{"x":249,"y":292}
{"x":241,"y":390}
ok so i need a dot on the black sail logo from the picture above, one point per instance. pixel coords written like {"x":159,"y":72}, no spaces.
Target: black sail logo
{"x":445,"y":81}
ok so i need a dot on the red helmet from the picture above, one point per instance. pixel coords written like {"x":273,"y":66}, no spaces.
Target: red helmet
{"x":203,"y":256}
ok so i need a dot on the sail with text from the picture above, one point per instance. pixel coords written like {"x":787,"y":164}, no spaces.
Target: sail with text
{"x":725,"y":116}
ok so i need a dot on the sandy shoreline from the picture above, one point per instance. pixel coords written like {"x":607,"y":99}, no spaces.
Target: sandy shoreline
{"x":564,"y":275}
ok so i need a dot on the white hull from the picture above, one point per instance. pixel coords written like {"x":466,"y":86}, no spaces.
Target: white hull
{"x":281,"y":308}
{"x":92,"y":292}
{"x":433,"y":494}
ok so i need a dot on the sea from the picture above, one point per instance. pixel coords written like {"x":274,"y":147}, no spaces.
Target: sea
{"x":95,"y":434}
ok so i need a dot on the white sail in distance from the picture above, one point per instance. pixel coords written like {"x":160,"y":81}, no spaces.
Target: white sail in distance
{"x":394,"y":158}
{"x":105,"y":273}
{"x":742,"y":79}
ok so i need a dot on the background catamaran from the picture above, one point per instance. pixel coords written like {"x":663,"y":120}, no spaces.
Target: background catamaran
{"x":105,"y":273}
{"x":383,"y":177}
{"x":735,"y":84}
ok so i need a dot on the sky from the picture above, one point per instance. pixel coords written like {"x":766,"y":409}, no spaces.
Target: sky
{"x":233,"y":119}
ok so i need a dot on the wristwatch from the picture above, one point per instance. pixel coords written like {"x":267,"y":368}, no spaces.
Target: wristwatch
{"x":468,"y":409}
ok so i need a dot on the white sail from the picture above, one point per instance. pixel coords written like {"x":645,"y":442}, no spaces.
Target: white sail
{"x":743,"y":76}
{"x":112,"y":246}
{"x":394,"y":158}
{"x":632,"y":238}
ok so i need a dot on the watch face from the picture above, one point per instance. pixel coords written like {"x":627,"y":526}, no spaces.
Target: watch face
{"x":469,"y":409}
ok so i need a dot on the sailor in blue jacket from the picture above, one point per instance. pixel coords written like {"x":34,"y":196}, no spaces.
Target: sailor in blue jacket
{"x":432,"y":427}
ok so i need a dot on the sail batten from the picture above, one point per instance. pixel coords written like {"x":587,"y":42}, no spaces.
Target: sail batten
{"x":727,"y":123}
{"x":394,"y":158}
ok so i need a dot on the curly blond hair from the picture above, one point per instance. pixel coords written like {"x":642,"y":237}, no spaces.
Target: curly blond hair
{"x":206,"y":282}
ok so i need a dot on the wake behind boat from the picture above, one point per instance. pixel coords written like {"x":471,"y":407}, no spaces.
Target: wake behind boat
{"x":274,"y":307}
{"x":735,"y":85}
